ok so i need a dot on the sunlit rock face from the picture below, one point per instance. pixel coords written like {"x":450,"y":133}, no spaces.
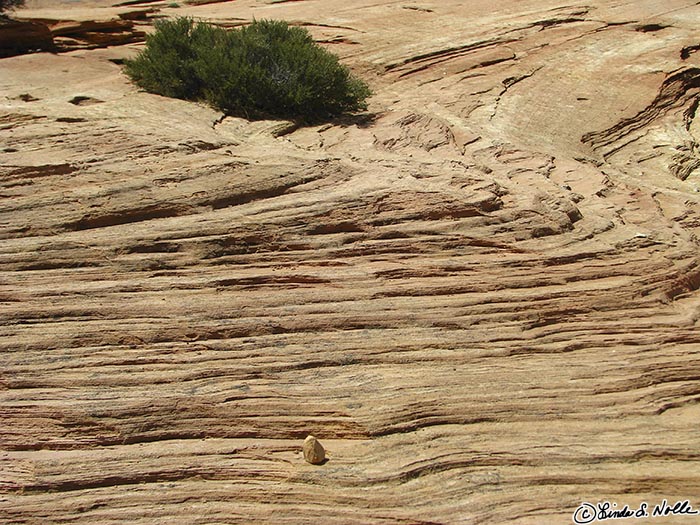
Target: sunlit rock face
{"x":481,"y":295}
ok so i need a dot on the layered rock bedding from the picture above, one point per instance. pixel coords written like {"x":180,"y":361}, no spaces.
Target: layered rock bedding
{"x":481,"y":295}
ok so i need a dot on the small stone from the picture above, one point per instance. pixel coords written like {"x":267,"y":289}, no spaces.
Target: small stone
{"x":314,"y":452}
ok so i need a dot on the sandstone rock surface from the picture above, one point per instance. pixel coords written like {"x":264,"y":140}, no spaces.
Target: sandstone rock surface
{"x":483,"y":294}
{"x":61,"y":30}
{"x":17,"y":37}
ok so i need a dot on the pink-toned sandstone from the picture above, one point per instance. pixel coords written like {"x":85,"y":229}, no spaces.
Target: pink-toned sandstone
{"x":481,"y":296}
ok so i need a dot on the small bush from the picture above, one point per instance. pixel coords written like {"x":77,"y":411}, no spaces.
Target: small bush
{"x":8,"y":5}
{"x":266,"y":69}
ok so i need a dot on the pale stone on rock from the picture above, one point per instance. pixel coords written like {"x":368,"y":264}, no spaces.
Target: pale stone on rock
{"x":314,"y":452}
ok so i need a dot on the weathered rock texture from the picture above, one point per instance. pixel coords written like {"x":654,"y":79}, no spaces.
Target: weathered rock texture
{"x":18,"y":37}
{"x":482,"y":296}
{"x":49,"y":30}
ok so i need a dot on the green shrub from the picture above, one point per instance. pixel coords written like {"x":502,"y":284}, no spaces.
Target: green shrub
{"x":266,"y":69}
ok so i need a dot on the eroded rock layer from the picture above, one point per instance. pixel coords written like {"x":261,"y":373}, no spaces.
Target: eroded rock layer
{"x":481,"y":296}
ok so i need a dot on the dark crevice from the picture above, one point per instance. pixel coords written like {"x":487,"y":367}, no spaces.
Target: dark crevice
{"x":155,"y":211}
{"x":689,"y":50}
{"x":650,"y":28}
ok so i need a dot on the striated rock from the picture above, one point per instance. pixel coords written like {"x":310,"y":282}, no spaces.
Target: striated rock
{"x":89,"y":34}
{"x":41,"y":30}
{"x":69,"y":34}
{"x":19,"y":37}
{"x":485,"y":291}
{"x":314,"y":452}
